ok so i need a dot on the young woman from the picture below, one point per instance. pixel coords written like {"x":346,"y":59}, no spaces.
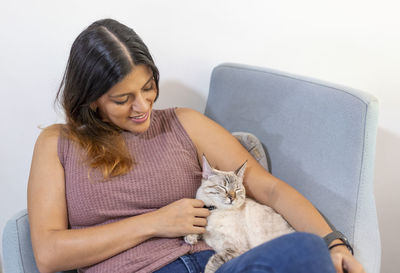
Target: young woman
{"x":112,"y":189}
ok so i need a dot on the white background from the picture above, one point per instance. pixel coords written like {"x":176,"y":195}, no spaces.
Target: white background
{"x":350,"y":42}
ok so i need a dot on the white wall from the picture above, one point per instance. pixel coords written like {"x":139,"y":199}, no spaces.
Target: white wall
{"x":354,"y":43}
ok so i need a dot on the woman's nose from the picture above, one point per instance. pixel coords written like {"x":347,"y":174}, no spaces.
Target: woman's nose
{"x":140,"y":104}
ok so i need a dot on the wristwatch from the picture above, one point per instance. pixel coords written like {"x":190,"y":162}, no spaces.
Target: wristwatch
{"x":338,"y":235}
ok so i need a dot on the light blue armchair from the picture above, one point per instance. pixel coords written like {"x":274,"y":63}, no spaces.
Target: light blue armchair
{"x":319,"y":137}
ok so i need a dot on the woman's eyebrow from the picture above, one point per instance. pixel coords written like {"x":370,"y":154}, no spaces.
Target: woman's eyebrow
{"x":118,"y":96}
{"x":125,"y":94}
{"x":149,"y":80}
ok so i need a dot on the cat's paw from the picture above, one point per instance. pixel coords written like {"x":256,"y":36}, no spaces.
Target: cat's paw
{"x":192,"y":238}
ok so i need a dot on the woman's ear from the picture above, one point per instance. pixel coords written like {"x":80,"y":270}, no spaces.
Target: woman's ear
{"x":93,"y":106}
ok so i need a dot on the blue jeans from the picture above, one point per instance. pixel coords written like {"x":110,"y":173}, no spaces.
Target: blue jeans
{"x":297,"y":252}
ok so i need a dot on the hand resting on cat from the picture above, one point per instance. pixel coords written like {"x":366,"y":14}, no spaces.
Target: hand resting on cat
{"x":236,"y":223}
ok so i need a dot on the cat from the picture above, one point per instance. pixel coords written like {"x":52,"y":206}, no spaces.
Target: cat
{"x":236,"y":223}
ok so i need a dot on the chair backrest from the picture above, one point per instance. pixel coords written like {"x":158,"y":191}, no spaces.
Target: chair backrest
{"x":17,"y":247}
{"x":319,"y":137}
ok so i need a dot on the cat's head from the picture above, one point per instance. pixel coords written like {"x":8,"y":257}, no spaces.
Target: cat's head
{"x":222,"y":189}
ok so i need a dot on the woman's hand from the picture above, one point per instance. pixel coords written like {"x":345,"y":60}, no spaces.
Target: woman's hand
{"x":344,"y":262}
{"x":180,"y":218}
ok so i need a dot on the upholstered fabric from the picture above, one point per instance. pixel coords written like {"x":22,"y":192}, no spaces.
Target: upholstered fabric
{"x":320,"y":139}
{"x":17,"y":246}
{"x":253,"y":146}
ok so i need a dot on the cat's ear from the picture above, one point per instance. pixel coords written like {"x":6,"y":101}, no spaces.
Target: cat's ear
{"x":240,"y":171}
{"x":207,"y":170}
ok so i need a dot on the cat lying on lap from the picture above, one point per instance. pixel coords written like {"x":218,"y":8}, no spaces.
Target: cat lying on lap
{"x":236,"y":223}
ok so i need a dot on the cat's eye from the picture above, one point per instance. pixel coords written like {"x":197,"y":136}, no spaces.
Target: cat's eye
{"x":221,"y":189}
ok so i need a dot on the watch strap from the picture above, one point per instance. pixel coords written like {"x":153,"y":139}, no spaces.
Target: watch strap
{"x":338,"y":235}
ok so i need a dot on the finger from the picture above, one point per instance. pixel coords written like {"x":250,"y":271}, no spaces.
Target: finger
{"x":337,"y":262}
{"x":198,"y":230}
{"x":352,"y":265}
{"x":200,"y":222}
{"x":201,"y":212}
{"x":197,"y":203}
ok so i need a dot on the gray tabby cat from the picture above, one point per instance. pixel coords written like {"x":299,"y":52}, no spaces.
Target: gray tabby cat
{"x":236,"y":223}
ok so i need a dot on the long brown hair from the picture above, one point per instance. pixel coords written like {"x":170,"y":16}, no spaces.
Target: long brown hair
{"x":101,"y":56}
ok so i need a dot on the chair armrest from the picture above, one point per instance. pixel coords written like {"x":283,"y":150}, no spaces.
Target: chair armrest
{"x":17,"y":246}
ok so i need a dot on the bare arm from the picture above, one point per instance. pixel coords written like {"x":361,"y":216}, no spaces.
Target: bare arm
{"x":58,"y":248}
{"x":224,"y":152}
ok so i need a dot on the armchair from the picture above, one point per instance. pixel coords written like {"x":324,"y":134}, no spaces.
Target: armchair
{"x":319,"y":137}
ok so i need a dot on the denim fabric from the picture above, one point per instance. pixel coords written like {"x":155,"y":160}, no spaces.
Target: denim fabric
{"x":297,"y":252}
{"x":191,"y":263}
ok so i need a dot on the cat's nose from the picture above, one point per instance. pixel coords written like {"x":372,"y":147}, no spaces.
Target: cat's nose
{"x":232,"y":195}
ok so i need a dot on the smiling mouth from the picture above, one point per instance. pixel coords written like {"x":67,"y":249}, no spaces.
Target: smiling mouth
{"x":140,"y":118}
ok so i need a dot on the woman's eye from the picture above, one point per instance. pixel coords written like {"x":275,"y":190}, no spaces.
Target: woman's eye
{"x":148,"y":88}
{"x":121,"y":102}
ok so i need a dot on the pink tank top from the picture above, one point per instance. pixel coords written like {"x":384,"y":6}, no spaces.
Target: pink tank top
{"x":166,"y":170}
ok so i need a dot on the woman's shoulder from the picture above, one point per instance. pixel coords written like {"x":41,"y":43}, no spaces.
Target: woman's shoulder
{"x":49,"y":136}
{"x":175,"y":111}
{"x":52,"y":131}
{"x":185,"y":116}
{"x":188,"y":115}
{"x":195,"y":121}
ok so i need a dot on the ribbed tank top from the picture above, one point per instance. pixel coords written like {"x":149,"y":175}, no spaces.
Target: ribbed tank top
{"x":166,"y":169}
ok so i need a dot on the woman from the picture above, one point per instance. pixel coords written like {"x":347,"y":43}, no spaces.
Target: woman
{"x":112,"y":189}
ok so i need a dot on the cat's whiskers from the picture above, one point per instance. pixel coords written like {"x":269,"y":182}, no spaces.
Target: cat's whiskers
{"x":234,"y":215}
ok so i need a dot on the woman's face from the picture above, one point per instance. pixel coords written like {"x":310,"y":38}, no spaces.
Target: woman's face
{"x":129,"y":103}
